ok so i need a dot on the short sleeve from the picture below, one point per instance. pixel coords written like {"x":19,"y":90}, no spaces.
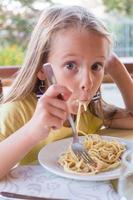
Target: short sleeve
{"x":11,"y":119}
{"x":14,"y":115}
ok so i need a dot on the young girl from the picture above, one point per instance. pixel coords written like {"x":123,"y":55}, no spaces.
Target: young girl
{"x":79,"y":48}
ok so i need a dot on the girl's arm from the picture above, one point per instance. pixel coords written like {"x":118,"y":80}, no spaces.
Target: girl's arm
{"x":122,"y":119}
{"x":17,"y":145}
{"x":122,"y":78}
{"x":50,"y":112}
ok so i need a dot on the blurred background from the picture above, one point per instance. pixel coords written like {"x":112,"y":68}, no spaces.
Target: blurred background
{"x":18,"y":17}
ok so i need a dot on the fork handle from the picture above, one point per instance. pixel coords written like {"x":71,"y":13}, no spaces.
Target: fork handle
{"x":75,"y":134}
{"x":70,"y":119}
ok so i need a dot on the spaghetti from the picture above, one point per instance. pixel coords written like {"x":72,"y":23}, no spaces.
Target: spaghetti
{"x":105,"y":153}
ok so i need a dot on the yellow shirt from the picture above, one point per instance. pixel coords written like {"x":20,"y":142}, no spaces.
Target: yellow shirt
{"x":14,"y":115}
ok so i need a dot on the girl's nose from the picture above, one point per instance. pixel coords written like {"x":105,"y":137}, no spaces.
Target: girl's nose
{"x":87,"y":82}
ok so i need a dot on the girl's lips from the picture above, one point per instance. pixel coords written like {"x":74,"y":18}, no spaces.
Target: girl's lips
{"x":85,"y":99}
{"x":82,"y":100}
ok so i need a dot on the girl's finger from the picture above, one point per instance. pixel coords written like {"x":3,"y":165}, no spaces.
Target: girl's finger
{"x":53,"y":121}
{"x":60,"y":104}
{"x":55,"y":90}
{"x":61,"y":114}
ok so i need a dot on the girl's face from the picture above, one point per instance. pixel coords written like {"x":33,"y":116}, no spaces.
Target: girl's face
{"x":78,"y":58}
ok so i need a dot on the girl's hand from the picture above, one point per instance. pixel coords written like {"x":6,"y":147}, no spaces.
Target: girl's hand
{"x":50,"y":112}
{"x":118,"y":72}
{"x":112,"y":63}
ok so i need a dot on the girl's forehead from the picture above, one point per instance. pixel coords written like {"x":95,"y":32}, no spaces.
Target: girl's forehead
{"x":77,"y":36}
{"x":79,"y":40}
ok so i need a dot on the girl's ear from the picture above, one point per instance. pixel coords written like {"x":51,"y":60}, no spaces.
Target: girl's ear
{"x":41,"y":74}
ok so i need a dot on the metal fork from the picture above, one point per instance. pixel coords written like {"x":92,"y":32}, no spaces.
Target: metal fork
{"x":78,"y":148}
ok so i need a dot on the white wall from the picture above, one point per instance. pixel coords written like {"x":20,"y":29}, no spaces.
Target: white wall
{"x":111,"y":94}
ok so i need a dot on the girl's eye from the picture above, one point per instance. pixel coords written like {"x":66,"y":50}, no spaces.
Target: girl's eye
{"x":97,"y":66}
{"x":71,"y":66}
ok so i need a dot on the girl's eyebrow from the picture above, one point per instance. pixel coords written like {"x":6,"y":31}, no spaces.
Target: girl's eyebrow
{"x":103,"y":57}
{"x":69,"y":55}
{"x":74,"y":55}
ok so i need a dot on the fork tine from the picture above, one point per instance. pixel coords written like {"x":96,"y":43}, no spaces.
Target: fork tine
{"x":88,"y":158}
{"x":85,"y":153}
{"x":80,"y":155}
{"x":85,"y":157}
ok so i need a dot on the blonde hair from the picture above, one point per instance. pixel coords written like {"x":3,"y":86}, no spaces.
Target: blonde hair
{"x":50,"y":22}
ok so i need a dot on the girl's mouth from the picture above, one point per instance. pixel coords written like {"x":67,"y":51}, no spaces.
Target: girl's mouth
{"x":83,"y":104}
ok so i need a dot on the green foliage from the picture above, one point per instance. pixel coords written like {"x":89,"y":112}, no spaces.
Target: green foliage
{"x":11,"y":55}
{"x":125,"y":7}
{"x":17,"y":24}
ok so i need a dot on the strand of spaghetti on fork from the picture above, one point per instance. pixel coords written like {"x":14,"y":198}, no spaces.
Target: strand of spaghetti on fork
{"x":83,"y":104}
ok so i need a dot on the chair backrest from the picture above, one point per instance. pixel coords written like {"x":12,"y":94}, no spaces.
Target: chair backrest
{"x":1,"y":89}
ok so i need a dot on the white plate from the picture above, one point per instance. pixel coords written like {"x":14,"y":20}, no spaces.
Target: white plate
{"x":48,"y":157}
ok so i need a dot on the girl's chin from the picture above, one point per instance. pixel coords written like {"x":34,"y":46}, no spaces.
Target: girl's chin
{"x":74,"y":109}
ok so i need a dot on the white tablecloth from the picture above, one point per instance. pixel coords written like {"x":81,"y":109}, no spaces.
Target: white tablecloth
{"x":35,"y":180}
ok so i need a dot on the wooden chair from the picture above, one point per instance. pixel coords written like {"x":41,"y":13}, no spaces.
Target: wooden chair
{"x":7,"y":75}
{"x":1,"y":89}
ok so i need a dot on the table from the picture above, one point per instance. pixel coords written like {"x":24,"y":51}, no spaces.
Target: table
{"x":121,"y":133}
{"x":35,"y":180}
